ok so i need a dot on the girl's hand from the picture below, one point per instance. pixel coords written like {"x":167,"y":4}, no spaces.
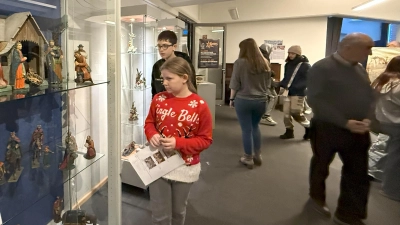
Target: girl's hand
{"x":168,"y":143}
{"x":155,"y":140}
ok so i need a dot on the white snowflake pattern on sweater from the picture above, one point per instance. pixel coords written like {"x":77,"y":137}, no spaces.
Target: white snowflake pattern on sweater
{"x":193,"y":103}
{"x":161,"y":98}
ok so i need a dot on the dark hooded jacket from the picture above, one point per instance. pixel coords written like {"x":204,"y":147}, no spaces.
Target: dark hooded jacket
{"x":299,"y":84}
{"x":156,"y":80}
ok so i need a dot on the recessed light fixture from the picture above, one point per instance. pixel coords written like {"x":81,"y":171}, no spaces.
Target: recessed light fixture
{"x":217,"y":30}
{"x":39,"y":3}
{"x":367,"y":4}
{"x":132,"y":19}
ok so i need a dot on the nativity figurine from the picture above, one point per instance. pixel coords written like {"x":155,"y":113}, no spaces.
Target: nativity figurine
{"x":46,"y":156}
{"x":91,"y":152}
{"x":3,"y":81}
{"x":13,"y":158}
{"x":82,"y":51}
{"x":17,"y":67}
{"x":2,"y":173}
{"x":33,"y":78}
{"x":36,"y":145}
{"x":70,"y":153}
{"x":82,"y":69}
{"x":54,"y":56}
{"x":57,"y":209}
{"x":140,"y":82}
{"x":134,"y":116}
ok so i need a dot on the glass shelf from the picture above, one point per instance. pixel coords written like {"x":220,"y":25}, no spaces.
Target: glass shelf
{"x":43,"y":90}
{"x":136,"y":89}
{"x":139,"y":53}
{"x":81,"y":165}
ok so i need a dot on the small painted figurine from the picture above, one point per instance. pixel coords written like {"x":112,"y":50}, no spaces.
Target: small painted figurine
{"x":69,"y":155}
{"x":17,"y":68}
{"x":46,"y":156}
{"x":34,"y":78}
{"x":82,"y":51}
{"x":131,"y":48}
{"x":91,"y":152}
{"x":134,"y":116}
{"x":36,"y":145}
{"x":2,"y":173}
{"x":13,"y":157}
{"x":54,"y":56}
{"x":70,"y":142}
{"x":140,"y":83}
{"x":82,"y":69}
{"x":3,"y":81}
{"x":57,"y":209}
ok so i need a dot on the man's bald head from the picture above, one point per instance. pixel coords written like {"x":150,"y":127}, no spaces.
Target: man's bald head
{"x":355,"y":47}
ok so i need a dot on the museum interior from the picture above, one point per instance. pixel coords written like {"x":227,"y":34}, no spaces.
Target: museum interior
{"x":76,"y":87}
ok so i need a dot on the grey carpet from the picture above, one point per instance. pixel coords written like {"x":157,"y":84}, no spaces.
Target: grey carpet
{"x":229,"y":194}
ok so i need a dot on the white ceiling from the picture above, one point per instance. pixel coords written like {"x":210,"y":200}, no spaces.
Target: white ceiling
{"x":179,"y":3}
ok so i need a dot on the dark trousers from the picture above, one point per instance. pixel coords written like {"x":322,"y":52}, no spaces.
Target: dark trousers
{"x":327,"y":140}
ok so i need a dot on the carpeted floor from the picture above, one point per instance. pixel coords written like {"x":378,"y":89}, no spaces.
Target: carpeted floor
{"x":229,"y":194}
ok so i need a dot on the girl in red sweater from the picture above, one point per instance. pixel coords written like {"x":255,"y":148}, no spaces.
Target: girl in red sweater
{"x":179,"y":120}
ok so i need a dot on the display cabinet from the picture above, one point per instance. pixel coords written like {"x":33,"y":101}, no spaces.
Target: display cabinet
{"x":57,"y":69}
{"x":139,"y":53}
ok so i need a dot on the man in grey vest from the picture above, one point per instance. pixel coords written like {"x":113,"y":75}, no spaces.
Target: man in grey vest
{"x":340,"y":95}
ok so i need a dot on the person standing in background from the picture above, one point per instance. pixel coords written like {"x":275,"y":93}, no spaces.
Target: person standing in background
{"x":251,"y":78}
{"x":341,"y":125}
{"x":166,"y":44}
{"x":266,"y":50}
{"x":295,"y":84}
{"x":388,"y":114}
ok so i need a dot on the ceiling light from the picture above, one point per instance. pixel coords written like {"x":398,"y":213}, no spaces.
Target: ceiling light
{"x":218,"y":30}
{"x":367,"y":4}
{"x":39,"y":3}
{"x":233,"y":12}
{"x":132,"y":20}
{"x":109,"y":22}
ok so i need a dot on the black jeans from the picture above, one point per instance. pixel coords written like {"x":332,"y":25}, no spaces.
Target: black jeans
{"x":326,"y":140}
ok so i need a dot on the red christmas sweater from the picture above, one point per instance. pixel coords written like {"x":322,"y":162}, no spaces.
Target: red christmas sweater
{"x":187,"y":119}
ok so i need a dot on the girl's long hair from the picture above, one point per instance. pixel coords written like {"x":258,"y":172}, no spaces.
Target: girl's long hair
{"x":249,"y":50}
{"x":392,"y":72}
{"x":180,"y":67}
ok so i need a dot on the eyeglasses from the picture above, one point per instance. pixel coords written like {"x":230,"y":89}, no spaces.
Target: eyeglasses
{"x":163,"y":47}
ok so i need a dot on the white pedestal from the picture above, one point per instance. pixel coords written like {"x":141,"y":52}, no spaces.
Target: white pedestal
{"x":208,"y":92}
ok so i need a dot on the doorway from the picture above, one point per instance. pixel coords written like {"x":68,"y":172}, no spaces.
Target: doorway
{"x":208,"y":54}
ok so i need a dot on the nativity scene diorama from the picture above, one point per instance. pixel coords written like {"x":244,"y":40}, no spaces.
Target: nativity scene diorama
{"x":21,"y":52}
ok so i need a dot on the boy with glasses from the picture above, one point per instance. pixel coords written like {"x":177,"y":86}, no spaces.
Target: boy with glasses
{"x":166,"y":45}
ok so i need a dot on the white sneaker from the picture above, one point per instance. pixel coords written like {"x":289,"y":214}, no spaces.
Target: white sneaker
{"x":308,"y":111}
{"x":267,"y":120}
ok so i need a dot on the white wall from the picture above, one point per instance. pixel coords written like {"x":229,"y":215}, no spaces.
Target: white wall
{"x":263,"y":10}
{"x":309,"y":33}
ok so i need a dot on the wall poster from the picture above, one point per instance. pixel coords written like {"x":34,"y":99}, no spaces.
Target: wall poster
{"x":379,"y":59}
{"x":278,"y":49}
{"x":209,"y":53}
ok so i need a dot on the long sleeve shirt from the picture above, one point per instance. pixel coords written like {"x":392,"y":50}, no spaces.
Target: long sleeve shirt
{"x":247,"y":84}
{"x":338,"y":91}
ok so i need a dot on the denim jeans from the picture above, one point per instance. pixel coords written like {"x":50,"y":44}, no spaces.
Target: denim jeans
{"x":249,"y":113}
{"x":391,"y":172}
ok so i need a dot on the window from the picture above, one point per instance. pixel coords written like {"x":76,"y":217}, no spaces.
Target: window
{"x":369,"y":27}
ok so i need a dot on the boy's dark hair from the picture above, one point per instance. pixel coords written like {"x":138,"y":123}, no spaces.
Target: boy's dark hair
{"x":168,"y":35}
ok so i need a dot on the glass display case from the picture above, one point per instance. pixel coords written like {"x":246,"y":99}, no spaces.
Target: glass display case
{"x":57,"y":68}
{"x":139,"y":53}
